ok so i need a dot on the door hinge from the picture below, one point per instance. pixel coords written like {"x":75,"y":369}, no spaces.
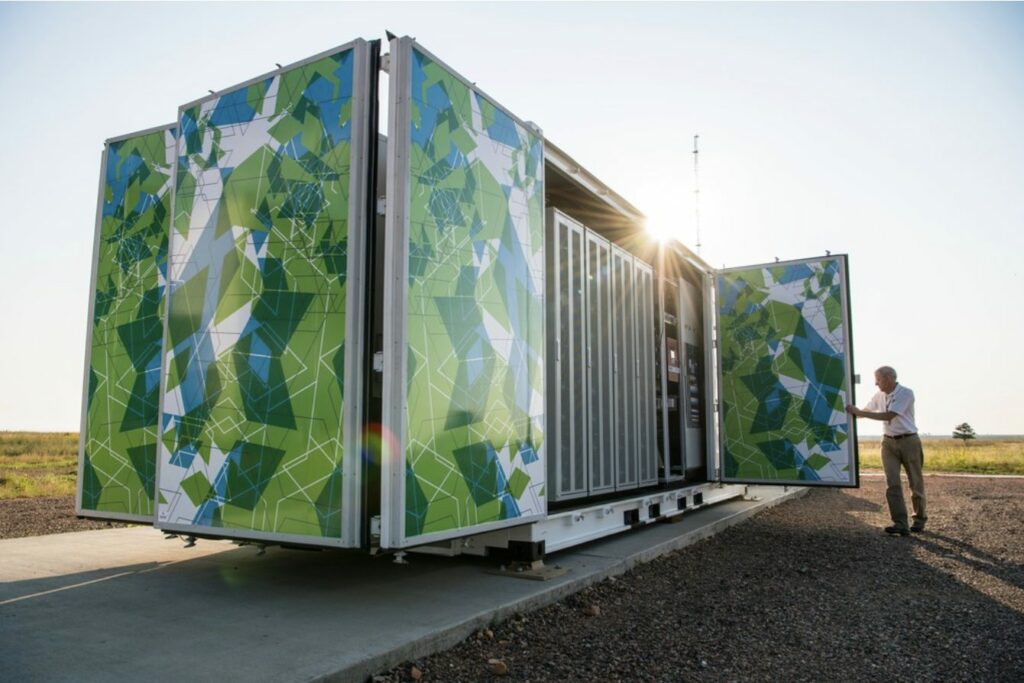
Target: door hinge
{"x":385,"y":62}
{"x":378,"y":361}
{"x":382,"y":205}
{"x":375,"y":526}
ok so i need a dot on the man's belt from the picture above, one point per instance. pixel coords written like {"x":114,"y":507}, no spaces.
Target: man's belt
{"x":900,"y":436}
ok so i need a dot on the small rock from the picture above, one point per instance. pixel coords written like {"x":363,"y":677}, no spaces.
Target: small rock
{"x":415,"y":674}
{"x":592,"y":611}
{"x":488,"y":634}
{"x":497,"y":667}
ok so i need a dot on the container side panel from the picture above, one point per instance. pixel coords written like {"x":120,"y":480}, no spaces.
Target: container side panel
{"x":118,"y":458}
{"x":598,"y":370}
{"x":785,"y":376}
{"x":606,"y":481}
{"x":475,"y":317}
{"x":627,"y":457}
{"x":561,"y":412}
{"x":252,"y":432}
{"x":579,"y":369}
{"x":647,"y":420}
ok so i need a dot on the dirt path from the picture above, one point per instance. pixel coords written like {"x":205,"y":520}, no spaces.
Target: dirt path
{"x":39,"y":516}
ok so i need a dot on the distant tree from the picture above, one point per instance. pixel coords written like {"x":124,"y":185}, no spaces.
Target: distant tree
{"x":964,"y":431}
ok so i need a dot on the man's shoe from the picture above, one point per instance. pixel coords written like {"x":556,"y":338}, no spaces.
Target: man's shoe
{"x":901,"y":530}
{"x":917,"y":527}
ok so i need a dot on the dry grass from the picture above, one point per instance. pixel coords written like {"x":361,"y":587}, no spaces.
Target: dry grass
{"x":981,"y":456}
{"x":40,"y":464}
{"x":37,"y":464}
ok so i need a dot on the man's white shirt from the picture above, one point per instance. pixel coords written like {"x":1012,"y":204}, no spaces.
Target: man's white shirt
{"x":899,"y":401}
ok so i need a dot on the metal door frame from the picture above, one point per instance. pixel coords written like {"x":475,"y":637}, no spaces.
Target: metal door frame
{"x":854,"y":456}
{"x":355,"y":314}
{"x":396,"y":277}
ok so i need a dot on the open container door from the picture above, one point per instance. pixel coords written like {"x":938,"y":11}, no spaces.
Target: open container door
{"x":120,"y":390}
{"x":261,"y":407}
{"x":463,"y":372}
{"x":785,"y":374}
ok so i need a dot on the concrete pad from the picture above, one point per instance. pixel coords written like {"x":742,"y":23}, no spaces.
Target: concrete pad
{"x":127,"y":604}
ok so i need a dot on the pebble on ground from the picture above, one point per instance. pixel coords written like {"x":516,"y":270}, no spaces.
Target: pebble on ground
{"x":810,"y":590}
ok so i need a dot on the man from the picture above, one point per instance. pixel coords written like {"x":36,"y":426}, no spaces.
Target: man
{"x":894,"y":405}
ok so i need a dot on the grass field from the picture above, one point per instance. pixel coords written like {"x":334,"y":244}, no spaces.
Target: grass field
{"x":37,"y":464}
{"x":981,"y":456}
{"x":40,"y":464}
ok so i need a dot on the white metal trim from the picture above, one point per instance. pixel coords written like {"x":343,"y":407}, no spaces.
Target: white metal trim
{"x":464,"y":532}
{"x":712,"y":494}
{"x":575,"y":526}
{"x":396,"y":277}
{"x":542,"y":174}
{"x":774,"y":264}
{"x":97,"y":231}
{"x":355,"y":314}
{"x":164,"y":351}
{"x":712,"y":420}
{"x":271,"y":538}
{"x":114,"y":516}
{"x":854,"y":458}
{"x":270,"y":74}
{"x":139,"y":133}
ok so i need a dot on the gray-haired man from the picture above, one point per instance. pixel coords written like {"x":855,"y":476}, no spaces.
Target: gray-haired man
{"x":894,"y":405}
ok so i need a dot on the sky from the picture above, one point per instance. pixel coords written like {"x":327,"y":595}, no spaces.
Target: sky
{"x":889,"y":132}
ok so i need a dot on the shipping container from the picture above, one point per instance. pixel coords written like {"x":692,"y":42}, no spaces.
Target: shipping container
{"x":452,"y":338}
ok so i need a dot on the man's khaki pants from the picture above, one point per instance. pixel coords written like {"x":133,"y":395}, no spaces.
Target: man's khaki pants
{"x":908,"y":453}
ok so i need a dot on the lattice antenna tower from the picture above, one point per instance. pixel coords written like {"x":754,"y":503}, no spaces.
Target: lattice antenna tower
{"x":696,"y":189}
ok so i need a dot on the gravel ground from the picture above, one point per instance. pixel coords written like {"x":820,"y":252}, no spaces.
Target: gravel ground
{"x":811,"y":590}
{"x":39,"y":516}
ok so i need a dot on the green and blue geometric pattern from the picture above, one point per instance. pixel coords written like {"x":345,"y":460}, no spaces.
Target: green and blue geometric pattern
{"x":783,"y":373}
{"x":118,"y":462}
{"x":252,"y":410}
{"x":475,"y":310}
